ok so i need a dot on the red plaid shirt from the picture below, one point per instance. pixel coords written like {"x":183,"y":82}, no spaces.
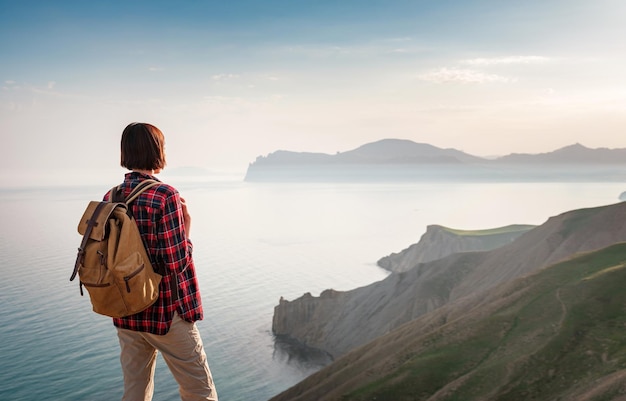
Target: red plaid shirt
{"x":159,"y":216}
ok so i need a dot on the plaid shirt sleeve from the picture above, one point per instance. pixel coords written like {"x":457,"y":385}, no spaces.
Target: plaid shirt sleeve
{"x":159,"y":217}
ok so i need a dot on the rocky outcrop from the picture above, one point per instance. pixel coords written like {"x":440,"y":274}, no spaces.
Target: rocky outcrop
{"x":545,"y":336}
{"x":307,"y":309}
{"x":339,"y":321}
{"x":438,"y":242}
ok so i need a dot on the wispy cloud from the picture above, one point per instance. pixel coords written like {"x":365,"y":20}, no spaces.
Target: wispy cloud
{"x":507,"y":60}
{"x":224,"y":77}
{"x":456,"y":75}
{"x":474,"y":75}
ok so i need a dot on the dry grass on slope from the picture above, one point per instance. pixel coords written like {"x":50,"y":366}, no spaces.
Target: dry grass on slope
{"x":557,"y":334}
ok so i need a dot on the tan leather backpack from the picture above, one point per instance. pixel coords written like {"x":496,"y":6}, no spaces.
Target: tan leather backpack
{"x":112,"y":262}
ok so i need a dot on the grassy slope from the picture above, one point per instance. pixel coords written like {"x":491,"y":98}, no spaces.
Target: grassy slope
{"x":565,"y":332}
{"x":557,"y":334}
{"x":513,"y":228}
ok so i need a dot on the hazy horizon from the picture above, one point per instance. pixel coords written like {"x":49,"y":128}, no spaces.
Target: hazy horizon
{"x":230,"y":81}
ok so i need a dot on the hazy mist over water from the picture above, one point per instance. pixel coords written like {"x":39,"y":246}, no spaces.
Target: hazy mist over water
{"x":225,"y":84}
{"x":253,"y":243}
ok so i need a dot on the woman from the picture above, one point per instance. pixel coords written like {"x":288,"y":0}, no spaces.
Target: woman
{"x":168,"y":325}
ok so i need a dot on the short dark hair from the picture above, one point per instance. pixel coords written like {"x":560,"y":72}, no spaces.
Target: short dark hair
{"x":143,"y":147}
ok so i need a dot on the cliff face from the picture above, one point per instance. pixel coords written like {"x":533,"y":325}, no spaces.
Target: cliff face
{"x":307,"y":309}
{"x":438,"y":242}
{"x":340,"y":321}
{"x":348,"y":319}
{"x":551,"y":335}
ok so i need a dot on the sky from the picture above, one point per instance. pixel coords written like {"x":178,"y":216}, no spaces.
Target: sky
{"x":227,"y":81}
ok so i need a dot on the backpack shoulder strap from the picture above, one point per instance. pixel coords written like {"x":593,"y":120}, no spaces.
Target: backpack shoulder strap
{"x":115,"y":194}
{"x":146,"y":184}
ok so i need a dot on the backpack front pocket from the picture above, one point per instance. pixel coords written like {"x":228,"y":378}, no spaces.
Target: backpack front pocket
{"x":105,"y":295}
{"x":138,"y":284}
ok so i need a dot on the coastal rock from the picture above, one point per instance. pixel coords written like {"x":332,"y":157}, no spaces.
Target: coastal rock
{"x":337,"y":322}
{"x":438,"y":242}
{"x":307,"y":309}
{"x":550,"y":334}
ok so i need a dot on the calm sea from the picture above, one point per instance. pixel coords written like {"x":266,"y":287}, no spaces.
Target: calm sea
{"x":253,"y":244}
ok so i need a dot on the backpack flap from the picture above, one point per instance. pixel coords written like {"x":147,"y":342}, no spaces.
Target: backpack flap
{"x":98,"y":231}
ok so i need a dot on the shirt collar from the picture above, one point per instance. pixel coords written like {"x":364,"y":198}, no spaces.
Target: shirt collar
{"x":136,"y":176}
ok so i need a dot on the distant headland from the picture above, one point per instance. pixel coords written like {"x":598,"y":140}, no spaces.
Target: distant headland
{"x":405,"y":160}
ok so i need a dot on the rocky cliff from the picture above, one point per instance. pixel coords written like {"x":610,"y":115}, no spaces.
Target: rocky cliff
{"x":438,"y":242}
{"x":556,"y":334}
{"x":340,"y":321}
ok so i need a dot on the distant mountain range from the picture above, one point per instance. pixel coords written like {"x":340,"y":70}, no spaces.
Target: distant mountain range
{"x":541,"y":317}
{"x":408,"y":160}
{"x":573,"y":154}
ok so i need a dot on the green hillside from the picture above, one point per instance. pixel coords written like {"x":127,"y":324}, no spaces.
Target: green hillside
{"x":565,"y":332}
{"x":513,"y":228}
{"x":559,"y":334}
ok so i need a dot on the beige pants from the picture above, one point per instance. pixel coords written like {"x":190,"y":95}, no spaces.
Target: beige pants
{"x":184,"y":354}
